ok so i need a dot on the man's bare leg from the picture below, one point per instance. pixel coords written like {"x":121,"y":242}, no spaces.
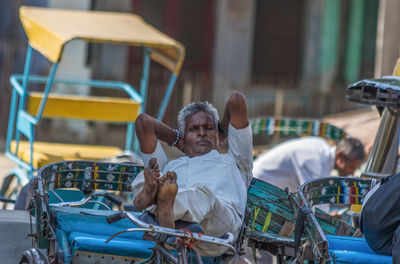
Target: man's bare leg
{"x":147,"y":195}
{"x":165,"y":199}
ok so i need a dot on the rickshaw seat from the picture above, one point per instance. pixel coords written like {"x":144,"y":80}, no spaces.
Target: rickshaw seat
{"x":336,"y":246}
{"x":353,"y":250}
{"x":86,"y":230}
{"x":46,"y":152}
{"x":269,"y":218}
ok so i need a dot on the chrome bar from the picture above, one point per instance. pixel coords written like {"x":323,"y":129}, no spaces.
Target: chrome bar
{"x":384,"y":151}
{"x":83,"y":201}
{"x":227,"y":242}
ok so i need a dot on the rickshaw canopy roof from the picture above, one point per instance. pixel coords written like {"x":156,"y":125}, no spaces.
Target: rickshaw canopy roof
{"x":48,"y":30}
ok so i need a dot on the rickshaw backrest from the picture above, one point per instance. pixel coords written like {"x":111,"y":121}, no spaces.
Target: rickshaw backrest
{"x":296,"y":127}
{"x":334,"y":190}
{"x":89,"y":175}
{"x":328,"y":190}
{"x":108,"y":109}
{"x":268,"y":207}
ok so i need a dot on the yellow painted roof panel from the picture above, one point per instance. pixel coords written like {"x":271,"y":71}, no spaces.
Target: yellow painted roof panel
{"x":49,"y":29}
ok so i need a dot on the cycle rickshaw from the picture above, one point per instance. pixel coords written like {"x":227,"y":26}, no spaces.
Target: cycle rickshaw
{"x":383,"y":161}
{"x":72,"y":234}
{"x":48,"y":31}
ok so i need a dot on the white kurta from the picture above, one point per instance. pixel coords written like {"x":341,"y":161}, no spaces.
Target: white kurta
{"x":294,"y":162}
{"x":212,"y":188}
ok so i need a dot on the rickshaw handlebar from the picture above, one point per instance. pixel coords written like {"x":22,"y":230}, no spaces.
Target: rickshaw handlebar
{"x":87,"y":199}
{"x":226,"y":241}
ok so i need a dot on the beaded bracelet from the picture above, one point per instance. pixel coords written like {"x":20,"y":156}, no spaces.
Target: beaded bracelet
{"x":178,"y":136}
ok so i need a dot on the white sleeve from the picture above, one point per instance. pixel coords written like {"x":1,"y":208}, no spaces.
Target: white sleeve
{"x":241,"y":148}
{"x":162,"y":161}
{"x":158,"y":153}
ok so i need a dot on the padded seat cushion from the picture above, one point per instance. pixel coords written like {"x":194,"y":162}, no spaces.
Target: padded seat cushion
{"x":119,"y":246}
{"x":353,"y":250}
{"x":45,"y":153}
{"x":95,"y":224}
{"x":88,"y":233}
{"x":86,"y":230}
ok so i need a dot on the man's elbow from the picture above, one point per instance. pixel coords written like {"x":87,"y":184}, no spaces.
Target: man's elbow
{"x":144,"y":122}
{"x":237,"y":99}
{"x":238,"y":110}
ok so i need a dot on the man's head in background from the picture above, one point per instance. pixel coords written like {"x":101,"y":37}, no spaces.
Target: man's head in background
{"x":349,"y":156}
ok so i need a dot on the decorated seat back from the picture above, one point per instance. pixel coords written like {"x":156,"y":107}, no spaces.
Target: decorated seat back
{"x":89,"y":175}
{"x":296,"y":127}
{"x":330,"y":190}
{"x":268,"y":207}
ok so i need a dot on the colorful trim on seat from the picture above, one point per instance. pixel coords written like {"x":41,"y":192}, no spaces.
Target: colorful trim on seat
{"x":268,"y":206}
{"x":294,"y":127}
{"x":337,"y":191}
{"x":89,"y":174}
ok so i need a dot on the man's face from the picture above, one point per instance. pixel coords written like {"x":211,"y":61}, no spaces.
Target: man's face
{"x":346,"y":166}
{"x":201,"y":135}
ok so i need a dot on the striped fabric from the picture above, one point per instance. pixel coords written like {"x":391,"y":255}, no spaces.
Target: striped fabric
{"x":296,"y":127}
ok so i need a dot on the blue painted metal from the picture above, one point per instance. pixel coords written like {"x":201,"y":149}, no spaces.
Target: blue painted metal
{"x":47,"y":91}
{"x":17,"y":78}
{"x":145,"y":78}
{"x":129,"y":133}
{"x":26,"y":122}
{"x":27,"y":68}
{"x":93,"y":83}
{"x":20,"y":174}
{"x":21,"y":163}
{"x":11,"y":120}
{"x":167,"y":96}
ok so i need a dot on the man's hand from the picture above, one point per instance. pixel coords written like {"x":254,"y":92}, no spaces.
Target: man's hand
{"x":235,"y":112}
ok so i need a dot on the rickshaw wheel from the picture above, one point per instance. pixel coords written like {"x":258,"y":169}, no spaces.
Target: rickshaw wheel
{"x":10,"y":188}
{"x":33,"y":256}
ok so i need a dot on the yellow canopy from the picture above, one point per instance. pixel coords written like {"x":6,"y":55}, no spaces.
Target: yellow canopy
{"x":49,"y":29}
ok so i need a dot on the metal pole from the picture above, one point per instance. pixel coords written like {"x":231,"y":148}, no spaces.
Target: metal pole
{"x":384,"y":151}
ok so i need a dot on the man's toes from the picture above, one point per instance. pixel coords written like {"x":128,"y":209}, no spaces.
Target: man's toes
{"x":147,"y":171}
{"x":156,"y":173}
{"x":152,"y":163}
{"x":171,"y":176}
{"x":162,"y":180}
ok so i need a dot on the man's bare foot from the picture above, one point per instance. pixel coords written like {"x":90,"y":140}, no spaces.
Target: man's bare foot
{"x":147,"y":195}
{"x":165,"y":199}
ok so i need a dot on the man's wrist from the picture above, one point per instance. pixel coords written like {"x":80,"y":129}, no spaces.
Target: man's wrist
{"x":177,"y":138}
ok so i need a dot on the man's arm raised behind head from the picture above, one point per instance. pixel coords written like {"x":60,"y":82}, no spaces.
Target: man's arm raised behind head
{"x":149,"y":130}
{"x":235,"y":112}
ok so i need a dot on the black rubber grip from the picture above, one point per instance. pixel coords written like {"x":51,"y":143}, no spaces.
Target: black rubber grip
{"x":113,"y":199}
{"x":115,"y":217}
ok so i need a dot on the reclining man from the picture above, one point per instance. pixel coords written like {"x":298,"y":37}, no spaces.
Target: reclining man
{"x":204,"y":186}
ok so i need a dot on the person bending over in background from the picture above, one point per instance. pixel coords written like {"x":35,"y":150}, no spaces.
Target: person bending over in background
{"x":296,"y":161}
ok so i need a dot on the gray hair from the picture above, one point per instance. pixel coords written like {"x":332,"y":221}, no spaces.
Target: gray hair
{"x":194,"y":108}
{"x":351,"y":148}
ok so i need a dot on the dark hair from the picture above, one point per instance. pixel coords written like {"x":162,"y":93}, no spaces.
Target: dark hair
{"x":352,"y":148}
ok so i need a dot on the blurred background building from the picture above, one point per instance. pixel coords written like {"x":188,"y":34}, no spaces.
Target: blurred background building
{"x":291,"y":58}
